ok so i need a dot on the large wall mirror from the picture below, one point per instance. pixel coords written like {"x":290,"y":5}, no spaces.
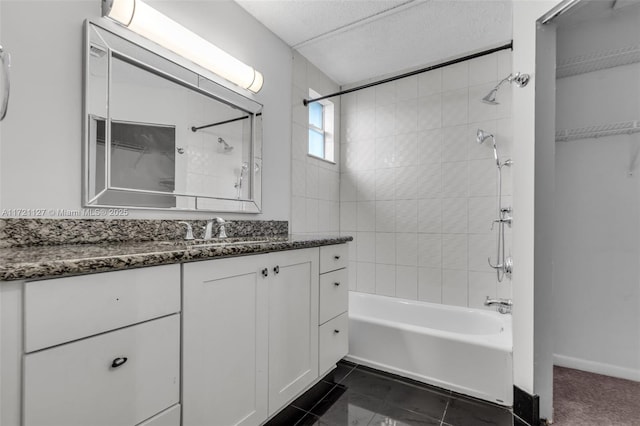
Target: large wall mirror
{"x":161,"y":134}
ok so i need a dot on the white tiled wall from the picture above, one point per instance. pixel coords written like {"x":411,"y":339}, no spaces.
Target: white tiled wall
{"x":315,"y":184}
{"x":416,"y":190}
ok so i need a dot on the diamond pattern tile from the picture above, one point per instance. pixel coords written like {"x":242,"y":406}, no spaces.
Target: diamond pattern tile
{"x":386,"y":248}
{"x":407,"y":116}
{"x":454,"y":287}
{"x":406,"y":216}
{"x":430,"y":215}
{"x":407,"y":249}
{"x":407,"y":282}
{"x":385,"y":280}
{"x":454,"y":215}
{"x":430,"y":284}
{"x":455,"y":107}
{"x":430,"y":112}
{"x":430,"y":146}
{"x":405,"y":149}
{"x":454,"y":251}
{"x":454,"y":143}
{"x":430,"y":250}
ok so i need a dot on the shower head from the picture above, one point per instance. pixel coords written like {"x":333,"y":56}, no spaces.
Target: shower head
{"x":491,"y":97}
{"x":520,"y":80}
{"x":227,"y":147}
{"x":481,"y":136}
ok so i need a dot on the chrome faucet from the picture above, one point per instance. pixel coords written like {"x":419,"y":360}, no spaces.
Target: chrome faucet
{"x":189,"y":235}
{"x":222,"y":233}
{"x":504,"y":305}
{"x":208,"y":230}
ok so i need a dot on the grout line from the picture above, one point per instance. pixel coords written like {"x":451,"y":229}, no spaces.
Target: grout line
{"x":445,"y":412}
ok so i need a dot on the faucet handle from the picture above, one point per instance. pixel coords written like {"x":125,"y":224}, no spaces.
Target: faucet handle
{"x":222,"y":233}
{"x":189,"y":235}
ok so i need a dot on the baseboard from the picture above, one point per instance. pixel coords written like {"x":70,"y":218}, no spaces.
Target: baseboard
{"x":596,"y":367}
{"x":526,"y":407}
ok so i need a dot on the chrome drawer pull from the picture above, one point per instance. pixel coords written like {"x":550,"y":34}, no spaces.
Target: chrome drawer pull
{"x":118,"y":362}
{"x":336,"y":331}
{"x":276,"y":270}
{"x":265,"y":272}
{"x":336,"y":257}
{"x":336,"y":284}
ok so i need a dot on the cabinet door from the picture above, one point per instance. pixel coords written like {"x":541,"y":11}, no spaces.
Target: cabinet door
{"x":225,"y":342}
{"x":293,"y":324}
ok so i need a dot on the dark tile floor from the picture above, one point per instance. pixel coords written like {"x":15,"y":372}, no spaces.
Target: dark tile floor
{"x":357,"y":395}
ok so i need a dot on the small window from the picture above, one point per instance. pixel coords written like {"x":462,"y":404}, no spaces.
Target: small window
{"x":320,"y":128}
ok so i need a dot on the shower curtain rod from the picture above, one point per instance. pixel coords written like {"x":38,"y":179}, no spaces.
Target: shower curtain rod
{"x":219,"y":123}
{"x":509,"y":45}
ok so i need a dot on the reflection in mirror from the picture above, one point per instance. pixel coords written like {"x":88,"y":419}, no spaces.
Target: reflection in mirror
{"x":172,"y":144}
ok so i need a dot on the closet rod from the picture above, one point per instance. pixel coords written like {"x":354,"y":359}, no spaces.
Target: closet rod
{"x":509,"y":45}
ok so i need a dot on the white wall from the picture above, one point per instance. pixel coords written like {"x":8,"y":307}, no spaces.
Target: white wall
{"x":525,"y":15}
{"x":545,"y":214}
{"x":418,"y":192}
{"x":315,"y":184}
{"x":42,"y":138}
{"x":597,"y":233}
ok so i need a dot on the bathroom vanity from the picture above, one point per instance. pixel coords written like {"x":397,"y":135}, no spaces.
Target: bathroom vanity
{"x":225,"y":340}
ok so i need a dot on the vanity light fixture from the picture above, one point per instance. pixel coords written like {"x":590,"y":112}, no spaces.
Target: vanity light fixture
{"x":153,"y":25}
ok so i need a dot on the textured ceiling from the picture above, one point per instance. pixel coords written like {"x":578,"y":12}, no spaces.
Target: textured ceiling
{"x":355,"y":40}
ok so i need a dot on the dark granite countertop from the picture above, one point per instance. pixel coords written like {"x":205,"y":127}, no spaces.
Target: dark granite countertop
{"x":19,"y":263}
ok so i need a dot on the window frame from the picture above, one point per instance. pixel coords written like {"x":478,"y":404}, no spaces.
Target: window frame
{"x":327,"y":130}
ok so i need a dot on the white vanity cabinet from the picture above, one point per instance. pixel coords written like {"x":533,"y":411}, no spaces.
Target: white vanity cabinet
{"x":102,"y":349}
{"x":334,"y":303}
{"x":250,"y":336}
{"x":293,"y":325}
{"x":225,"y":326}
{"x":220,"y":342}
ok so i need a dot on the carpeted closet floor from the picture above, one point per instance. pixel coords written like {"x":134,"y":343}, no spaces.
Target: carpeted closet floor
{"x":586,"y":399}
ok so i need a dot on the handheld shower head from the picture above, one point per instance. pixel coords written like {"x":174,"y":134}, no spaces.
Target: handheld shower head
{"x":482,"y":136}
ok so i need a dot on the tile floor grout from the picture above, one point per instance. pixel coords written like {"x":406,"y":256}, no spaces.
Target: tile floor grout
{"x":445,"y":411}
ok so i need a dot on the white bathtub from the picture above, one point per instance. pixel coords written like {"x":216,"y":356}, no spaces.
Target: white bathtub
{"x":462,"y":349}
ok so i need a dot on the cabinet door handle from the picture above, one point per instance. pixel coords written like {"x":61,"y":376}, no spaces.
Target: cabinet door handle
{"x":336,"y":284}
{"x":265,"y":272}
{"x":276,"y":270}
{"x":118,"y":362}
{"x":336,"y":331}
{"x":336,"y":257}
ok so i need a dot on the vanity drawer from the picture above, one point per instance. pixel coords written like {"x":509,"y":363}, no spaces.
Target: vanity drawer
{"x":169,"y":417}
{"x":334,"y":342}
{"x":64,"y":309}
{"x":334,"y":294}
{"x":333,"y":257}
{"x":76,"y":384}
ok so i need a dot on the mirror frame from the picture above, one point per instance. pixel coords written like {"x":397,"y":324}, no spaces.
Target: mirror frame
{"x":208,"y":84}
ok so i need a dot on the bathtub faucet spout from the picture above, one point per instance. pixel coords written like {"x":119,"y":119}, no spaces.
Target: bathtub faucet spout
{"x":504,"y":305}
